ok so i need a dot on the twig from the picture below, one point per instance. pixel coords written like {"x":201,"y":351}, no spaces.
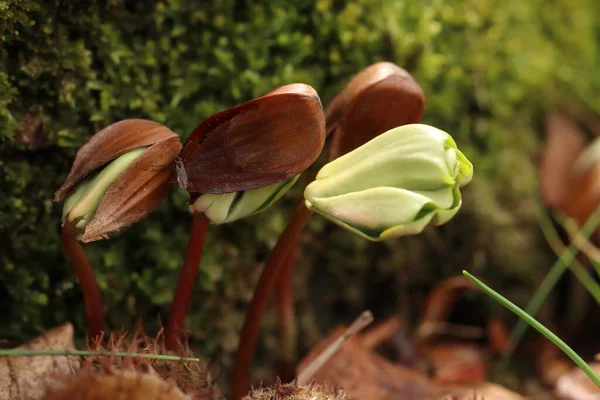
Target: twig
{"x":359,"y":324}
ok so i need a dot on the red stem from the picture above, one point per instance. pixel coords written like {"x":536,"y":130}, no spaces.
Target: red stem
{"x":286,"y":316}
{"x":185,"y":285}
{"x":260,"y":298}
{"x":87,"y":280}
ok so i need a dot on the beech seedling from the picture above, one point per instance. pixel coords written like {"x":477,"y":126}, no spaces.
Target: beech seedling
{"x":237,"y":163}
{"x":381,"y":97}
{"x":113,"y":183}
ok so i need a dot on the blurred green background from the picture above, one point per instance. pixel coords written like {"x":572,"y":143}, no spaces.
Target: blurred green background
{"x":490,"y":73}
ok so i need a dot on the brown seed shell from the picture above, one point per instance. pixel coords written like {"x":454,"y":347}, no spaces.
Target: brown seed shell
{"x":137,"y":191}
{"x":108,"y":144}
{"x":365,"y":78}
{"x":381,"y":97}
{"x":257,"y":143}
{"x":118,"y":385}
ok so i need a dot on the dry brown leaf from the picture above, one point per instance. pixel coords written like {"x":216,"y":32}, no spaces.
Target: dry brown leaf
{"x":498,"y":333}
{"x":550,"y":362}
{"x":456,"y":363}
{"x":440,"y":303}
{"x":575,"y":385}
{"x":28,"y":377}
{"x":583,"y":195}
{"x":564,"y":142}
{"x":364,"y":374}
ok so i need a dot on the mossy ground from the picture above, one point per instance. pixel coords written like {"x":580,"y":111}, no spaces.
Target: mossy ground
{"x":489,"y":72}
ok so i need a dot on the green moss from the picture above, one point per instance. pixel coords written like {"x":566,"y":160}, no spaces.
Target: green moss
{"x":489,"y":73}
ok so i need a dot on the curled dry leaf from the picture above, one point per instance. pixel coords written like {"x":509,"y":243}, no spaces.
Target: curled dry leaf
{"x":379,"y":98}
{"x":140,"y":188}
{"x":28,"y":377}
{"x":255,"y":144}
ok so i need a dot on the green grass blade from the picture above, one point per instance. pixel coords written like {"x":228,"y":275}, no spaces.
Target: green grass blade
{"x":84,"y":353}
{"x":539,"y":327}
{"x":551,"y":235}
{"x":544,"y":289}
{"x":563,"y":220}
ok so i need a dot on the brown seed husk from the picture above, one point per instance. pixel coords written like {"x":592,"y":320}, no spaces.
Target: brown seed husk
{"x":108,"y":144}
{"x":257,"y":143}
{"x":379,"y":98}
{"x":130,"y":385}
{"x":137,"y":191}
{"x":294,"y":392}
{"x":193,"y":378}
{"x":359,"y":82}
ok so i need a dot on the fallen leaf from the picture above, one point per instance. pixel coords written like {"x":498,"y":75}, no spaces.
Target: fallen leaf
{"x":564,"y":142}
{"x":28,"y":377}
{"x":364,"y":374}
{"x":575,"y":385}
{"x":456,"y":363}
{"x":440,"y":303}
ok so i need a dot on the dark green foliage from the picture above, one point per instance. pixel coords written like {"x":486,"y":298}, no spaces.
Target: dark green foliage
{"x":69,"y":68}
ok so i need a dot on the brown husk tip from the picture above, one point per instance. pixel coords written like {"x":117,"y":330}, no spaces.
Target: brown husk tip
{"x":297,"y":88}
